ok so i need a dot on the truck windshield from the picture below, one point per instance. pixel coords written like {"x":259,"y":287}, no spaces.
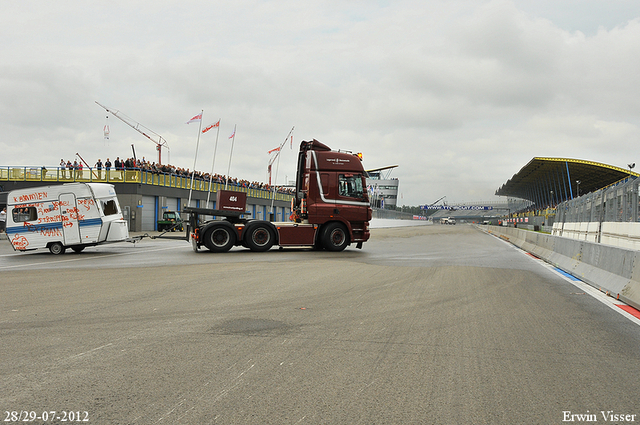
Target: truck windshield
{"x":350,"y":185}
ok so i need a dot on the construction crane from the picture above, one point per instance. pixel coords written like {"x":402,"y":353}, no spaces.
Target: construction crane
{"x":155,"y":137}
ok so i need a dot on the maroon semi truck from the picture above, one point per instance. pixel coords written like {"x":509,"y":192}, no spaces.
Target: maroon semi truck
{"x":330,"y":210}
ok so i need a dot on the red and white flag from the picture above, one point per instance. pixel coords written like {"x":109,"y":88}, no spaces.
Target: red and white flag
{"x":196,"y":118}
{"x":233,"y":134}
{"x":209,"y":127}
{"x":275,"y":150}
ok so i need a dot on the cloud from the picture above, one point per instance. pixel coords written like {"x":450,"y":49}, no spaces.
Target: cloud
{"x":459,"y":94}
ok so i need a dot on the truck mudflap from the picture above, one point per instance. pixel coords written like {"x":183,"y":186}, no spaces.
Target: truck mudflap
{"x":193,"y":238}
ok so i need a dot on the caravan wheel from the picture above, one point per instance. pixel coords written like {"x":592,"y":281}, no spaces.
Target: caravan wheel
{"x":56,"y":248}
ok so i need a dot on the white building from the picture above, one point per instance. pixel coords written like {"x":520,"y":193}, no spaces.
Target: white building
{"x":383,"y":190}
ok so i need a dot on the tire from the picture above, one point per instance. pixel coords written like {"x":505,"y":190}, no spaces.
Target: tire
{"x":335,"y":237}
{"x":77,"y":249}
{"x":57,"y":248}
{"x":219,"y":239}
{"x":259,"y":238}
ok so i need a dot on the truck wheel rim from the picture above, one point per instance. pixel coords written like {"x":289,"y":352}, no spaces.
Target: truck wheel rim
{"x":220,"y":237}
{"x":337,"y":237}
{"x":261,"y":237}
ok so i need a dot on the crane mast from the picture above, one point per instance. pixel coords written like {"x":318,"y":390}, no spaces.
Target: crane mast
{"x":155,"y":138}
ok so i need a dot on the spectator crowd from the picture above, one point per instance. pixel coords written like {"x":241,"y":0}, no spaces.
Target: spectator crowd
{"x":75,"y":168}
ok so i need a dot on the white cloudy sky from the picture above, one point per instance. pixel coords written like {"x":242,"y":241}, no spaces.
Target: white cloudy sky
{"x":460,"y":94}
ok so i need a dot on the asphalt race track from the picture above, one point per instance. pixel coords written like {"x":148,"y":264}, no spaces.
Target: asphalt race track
{"x":424,"y":325}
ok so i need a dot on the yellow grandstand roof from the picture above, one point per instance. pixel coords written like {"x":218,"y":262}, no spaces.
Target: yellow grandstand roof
{"x":559,"y":177}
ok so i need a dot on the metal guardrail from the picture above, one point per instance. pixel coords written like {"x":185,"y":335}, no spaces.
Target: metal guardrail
{"x":61,"y":175}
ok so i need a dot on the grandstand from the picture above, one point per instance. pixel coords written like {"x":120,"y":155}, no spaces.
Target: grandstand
{"x":552,"y":185}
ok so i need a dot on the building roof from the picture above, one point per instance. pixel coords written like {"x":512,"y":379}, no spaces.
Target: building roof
{"x":553,"y":180}
{"x":377,"y":173}
{"x":388,"y":167}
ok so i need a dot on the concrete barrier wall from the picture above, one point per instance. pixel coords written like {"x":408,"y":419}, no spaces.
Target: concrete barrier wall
{"x":621,"y":234}
{"x":611,"y":269}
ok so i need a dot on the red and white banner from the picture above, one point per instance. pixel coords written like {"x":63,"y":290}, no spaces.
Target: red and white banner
{"x":209,"y":127}
{"x":196,"y":118}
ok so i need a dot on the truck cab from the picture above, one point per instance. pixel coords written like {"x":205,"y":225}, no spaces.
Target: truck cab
{"x":330,"y":187}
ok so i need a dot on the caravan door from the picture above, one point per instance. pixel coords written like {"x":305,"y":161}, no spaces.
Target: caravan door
{"x":69,"y":216}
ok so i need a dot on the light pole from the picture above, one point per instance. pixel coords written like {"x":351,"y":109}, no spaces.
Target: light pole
{"x":578,"y":189}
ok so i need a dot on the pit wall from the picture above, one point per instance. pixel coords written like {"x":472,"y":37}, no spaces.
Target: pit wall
{"x":611,"y":269}
{"x":620,"y":234}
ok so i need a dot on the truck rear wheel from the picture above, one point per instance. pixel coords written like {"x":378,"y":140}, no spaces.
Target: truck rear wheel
{"x":56,"y":248}
{"x":219,"y":239}
{"x":335,"y":237}
{"x":259,"y":238}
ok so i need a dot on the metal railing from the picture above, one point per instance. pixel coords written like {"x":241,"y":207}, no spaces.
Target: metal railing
{"x":62,"y":175}
{"x":616,"y":203}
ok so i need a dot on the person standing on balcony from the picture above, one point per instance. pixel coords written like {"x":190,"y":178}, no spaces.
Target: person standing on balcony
{"x":107,"y":166}
{"x":99,"y":167}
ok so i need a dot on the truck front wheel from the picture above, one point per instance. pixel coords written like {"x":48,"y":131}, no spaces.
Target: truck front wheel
{"x":335,"y":237}
{"x":219,"y":239}
{"x":259,"y":238}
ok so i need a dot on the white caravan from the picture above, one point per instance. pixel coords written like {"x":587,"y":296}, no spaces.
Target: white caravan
{"x":72,"y":215}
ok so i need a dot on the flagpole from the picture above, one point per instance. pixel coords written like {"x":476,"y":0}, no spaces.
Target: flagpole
{"x":193,"y":171}
{"x":226,"y":183}
{"x":275,"y":180}
{"x":215,"y":148}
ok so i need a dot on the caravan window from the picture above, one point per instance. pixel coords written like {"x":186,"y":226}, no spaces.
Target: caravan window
{"x":109,"y":207}
{"x":24,"y":214}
